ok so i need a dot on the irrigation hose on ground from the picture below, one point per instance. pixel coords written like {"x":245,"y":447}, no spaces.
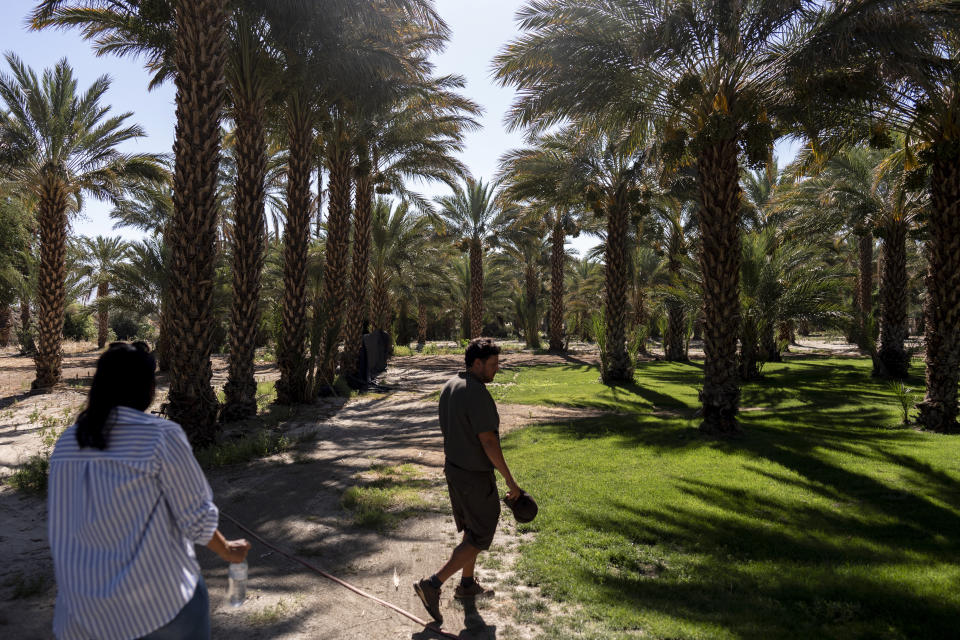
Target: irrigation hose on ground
{"x":432,"y":626}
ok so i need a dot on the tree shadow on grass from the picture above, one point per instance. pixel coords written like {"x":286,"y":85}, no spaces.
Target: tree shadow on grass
{"x":764,"y":568}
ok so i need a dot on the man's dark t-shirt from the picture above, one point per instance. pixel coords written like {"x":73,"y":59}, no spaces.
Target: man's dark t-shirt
{"x":467,"y":409}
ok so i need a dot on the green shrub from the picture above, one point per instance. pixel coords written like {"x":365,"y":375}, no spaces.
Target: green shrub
{"x":78,"y":324}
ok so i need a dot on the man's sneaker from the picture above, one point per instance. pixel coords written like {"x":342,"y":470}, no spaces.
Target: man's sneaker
{"x":430,"y":597}
{"x":475,"y":590}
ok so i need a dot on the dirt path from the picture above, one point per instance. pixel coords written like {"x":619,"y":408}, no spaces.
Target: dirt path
{"x":294,"y":500}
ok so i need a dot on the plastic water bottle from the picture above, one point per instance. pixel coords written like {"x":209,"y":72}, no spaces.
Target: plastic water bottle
{"x":237,"y":589}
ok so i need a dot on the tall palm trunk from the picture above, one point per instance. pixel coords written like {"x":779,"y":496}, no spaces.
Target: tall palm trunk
{"x":720,"y":257}
{"x":674,"y":338}
{"x":292,"y":360}
{"x":476,"y":288}
{"x":103,"y":314}
{"x":749,"y":351}
{"x":938,"y":411}
{"x":864,"y":288}
{"x":618,"y":365}
{"x":27,"y":345}
{"x":421,"y":323}
{"x":892,"y":356}
{"x":338,"y":247}
{"x":248,"y":254}
{"x":357,"y":309}
{"x":769,"y":350}
{"x":5,"y":325}
{"x":380,"y":304}
{"x":532,"y":288}
{"x":163,"y":334}
{"x":199,"y":60}
{"x":557,"y":256}
{"x":51,"y":291}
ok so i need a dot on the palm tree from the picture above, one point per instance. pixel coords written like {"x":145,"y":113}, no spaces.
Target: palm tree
{"x":585,"y":295}
{"x":711,"y":77}
{"x":472,"y":217}
{"x":546,"y":174}
{"x":250,"y":76}
{"x":14,"y":244}
{"x":861,"y":191}
{"x":524,"y":244}
{"x":414,"y":137}
{"x":675,"y":217}
{"x":62,"y":144}
{"x":100,"y":258}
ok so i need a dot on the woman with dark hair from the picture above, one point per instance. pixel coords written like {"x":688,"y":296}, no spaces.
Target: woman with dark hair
{"x":127,"y":503}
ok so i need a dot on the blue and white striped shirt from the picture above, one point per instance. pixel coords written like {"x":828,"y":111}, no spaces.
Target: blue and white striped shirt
{"x":122,"y":526}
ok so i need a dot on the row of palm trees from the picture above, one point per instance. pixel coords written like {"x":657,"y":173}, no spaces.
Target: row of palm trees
{"x":641,"y":117}
{"x":701,"y":88}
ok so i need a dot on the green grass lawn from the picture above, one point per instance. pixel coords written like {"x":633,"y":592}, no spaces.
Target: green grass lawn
{"x":827,"y":520}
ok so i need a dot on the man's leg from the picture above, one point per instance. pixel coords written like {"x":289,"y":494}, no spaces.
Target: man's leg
{"x":464,"y":557}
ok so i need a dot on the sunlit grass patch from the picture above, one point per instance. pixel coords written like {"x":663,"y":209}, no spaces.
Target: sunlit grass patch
{"x":826,"y":520}
{"x":386,"y":496}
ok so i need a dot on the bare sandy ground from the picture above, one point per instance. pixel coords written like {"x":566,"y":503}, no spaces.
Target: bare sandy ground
{"x":294,"y":500}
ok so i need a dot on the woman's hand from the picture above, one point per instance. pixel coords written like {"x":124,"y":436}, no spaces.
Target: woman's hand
{"x":236,"y":550}
{"x":229,"y":550}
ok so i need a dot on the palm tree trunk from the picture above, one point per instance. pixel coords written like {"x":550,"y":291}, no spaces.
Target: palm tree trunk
{"x":769,"y":350}
{"x":338,"y":247}
{"x":618,"y":365}
{"x":557,"y":257}
{"x":938,"y":411}
{"x":5,"y":325}
{"x":357,"y":309}
{"x":748,"y":352}
{"x":199,"y":60}
{"x":27,"y":345}
{"x":673,"y":340}
{"x":476,"y":288}
{"x":51,"y":291}
{"x":248,"y":254}
{"x":865,"y":288}
{"x":720,"y":257}
{"x":421,"y":323}
{"x":380,"y":301}
{"x":532,"y":286}
{"x":892,"y":355}
{"x":292,"y":387}
{"x":103,"y":314}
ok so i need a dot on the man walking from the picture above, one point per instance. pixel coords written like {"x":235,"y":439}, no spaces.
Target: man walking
{"x":471,"y":445}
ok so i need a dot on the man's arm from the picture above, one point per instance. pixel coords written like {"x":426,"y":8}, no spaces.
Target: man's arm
{"x":491,"y":446}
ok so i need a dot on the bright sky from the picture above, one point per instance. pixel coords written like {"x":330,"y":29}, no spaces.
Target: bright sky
{"x":479,"y":31}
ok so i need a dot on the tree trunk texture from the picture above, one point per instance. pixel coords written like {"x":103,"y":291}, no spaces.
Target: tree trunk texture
{"x":162,"y":350}
{"x":532,"y":287}
{"x":865,"y":290}
{"x":748,"y":352}
{"x":892,"y":355}
{"x":557,"y":257}
{"x":380,"y":304}
{"x":199,"y":60}
{"x":720,"y":257}
{"x":103,"y":314}
{"x":338,"y":247}
{"x":421,"y":323}
{"x":248,"y":254}
{"x":476,"y":289}
{"x":769,"y":349}
{"x":938,"y":411}
{"x":51,"y":290}
{"x":356,"y":311}
{"x":27,"y":344}
{"x":292,"y":388}
{"x":619,"y":367}
{"x":6,"y":323}
{"x":674,"y":347}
